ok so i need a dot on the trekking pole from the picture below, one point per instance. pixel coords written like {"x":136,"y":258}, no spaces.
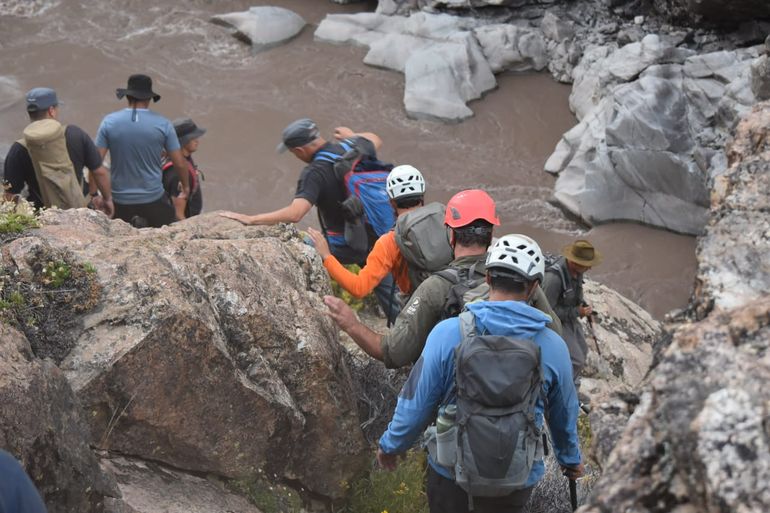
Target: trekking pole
{"x":573,"y":493}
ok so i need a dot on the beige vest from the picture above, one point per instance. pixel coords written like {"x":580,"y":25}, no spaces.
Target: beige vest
{"x":55,"y":173}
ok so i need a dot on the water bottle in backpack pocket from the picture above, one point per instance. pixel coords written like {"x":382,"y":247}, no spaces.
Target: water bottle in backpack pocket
{"x":446,"y":437}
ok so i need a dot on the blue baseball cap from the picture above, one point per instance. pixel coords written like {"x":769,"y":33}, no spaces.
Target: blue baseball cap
{"x":41,"y":98}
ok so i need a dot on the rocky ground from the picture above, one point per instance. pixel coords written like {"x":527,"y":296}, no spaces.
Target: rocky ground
{"x":203,"y":365}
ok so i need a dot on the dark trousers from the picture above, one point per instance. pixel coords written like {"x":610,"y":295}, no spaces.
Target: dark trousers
{"x":142,"y":215}
{"x":444,"y":496}
{"x":384,"y":291}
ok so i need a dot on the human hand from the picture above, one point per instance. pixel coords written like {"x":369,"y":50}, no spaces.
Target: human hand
{"x":573,"y":473}
{"x":319,"y":241}
{"x":343,"y":132}
{"x":241,"y":218}
{"x":340,"y":312}
{"x":387,"y":461}
{"x":108,"y":207}
{"x":585,"y":310}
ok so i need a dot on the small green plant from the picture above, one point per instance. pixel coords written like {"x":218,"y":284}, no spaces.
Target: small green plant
{"x":400,"y":491}
{"x":89,"y":268}
{"x":16,"y":217}
{"x":584,"y":431}
{"x":368,"y":302}
{"x":56,"y":274}
{"x":268,"y":497}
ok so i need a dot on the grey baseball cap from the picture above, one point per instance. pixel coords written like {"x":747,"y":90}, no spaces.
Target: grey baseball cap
{"x":41,"y":98}
{"x":298,"y":133}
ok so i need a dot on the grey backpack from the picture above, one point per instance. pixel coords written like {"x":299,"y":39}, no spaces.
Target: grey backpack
{"x":498,"y":381}
{"x":422,"y":239}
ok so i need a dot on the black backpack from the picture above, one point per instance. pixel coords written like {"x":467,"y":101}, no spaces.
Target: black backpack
{"x":467,"y":286}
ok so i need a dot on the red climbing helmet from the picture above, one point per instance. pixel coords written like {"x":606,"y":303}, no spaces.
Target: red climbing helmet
{"x":468,"y":206}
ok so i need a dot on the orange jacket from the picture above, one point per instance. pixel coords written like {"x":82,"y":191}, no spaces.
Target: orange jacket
{"x":384,"y":258}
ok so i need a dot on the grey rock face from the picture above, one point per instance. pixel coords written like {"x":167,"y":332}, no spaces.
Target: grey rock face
{"x":715,"y":11}
{"x":512,"y":48}
{"x":698,"y":439}
{"x":42,"y":425}
{"x":262,"y":27}
{"x":653,"y":118}
{"x":223,"y":363}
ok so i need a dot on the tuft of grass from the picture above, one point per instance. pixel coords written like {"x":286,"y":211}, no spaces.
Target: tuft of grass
{"x":268,"y":497}
{"x":584,"y":431}
{"x":400,"y":491}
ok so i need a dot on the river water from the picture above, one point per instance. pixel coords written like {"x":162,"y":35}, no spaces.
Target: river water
{"x":87,"y":49}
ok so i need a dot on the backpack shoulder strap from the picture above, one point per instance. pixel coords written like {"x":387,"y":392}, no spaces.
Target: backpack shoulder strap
{"x":467,"y":331}
{"x":450,"y":274}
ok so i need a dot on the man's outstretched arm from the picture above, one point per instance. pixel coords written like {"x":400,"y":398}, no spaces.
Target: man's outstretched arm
{"x":346,"y":319}
{"x":293,"y":213}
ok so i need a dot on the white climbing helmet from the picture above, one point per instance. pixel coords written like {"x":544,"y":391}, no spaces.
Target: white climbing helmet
{"x":405,"y":181}
{"x":517,"y":253}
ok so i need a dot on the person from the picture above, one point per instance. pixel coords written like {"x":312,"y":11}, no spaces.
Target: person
{"x":136,"y":138}
{"x":17,"y":492}
{"x":514,"y":266}
{"x":406,"y":190}
{"x":189,"y":135}
{"x":470,"y":217}
{"x":43,"y":103}
{"x":563,"y":286}
{"x":319,"y":186}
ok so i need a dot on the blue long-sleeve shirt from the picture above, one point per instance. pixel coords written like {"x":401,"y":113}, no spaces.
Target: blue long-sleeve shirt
{"x":432,"y":379}
{"x":17,"y":493}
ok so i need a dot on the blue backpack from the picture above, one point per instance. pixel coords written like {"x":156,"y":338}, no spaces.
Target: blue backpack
{"x":365,"y":178}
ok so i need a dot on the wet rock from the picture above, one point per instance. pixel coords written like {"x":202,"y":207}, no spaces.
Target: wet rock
{"x":150,"y":488}
{"x":262,"y":27}
{"x":698,"y":439}
{"x":41,"y":424}
{"x":443,"y":64}
{"x":638,"y":152}
{"x":223,"y":363}
{"x":512,"y":48}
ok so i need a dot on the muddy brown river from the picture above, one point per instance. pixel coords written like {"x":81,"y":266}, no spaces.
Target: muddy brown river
{"x":86,"y":49}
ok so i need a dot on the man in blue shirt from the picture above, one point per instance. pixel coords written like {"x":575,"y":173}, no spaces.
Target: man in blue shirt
{"x":17,"y":493}
{"x":136,"y":138}
{"x":514,"y":266}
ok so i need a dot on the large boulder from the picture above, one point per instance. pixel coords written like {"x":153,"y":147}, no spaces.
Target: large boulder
{"x":210,"y":351}
{"x":653,"y":120}
{"x":41,"y":423}
{"x":698,"y":439}
{"x":262,"y":27}
{"x":441,"y":58}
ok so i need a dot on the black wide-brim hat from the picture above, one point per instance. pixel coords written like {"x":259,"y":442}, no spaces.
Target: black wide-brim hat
{"x":139,"y":87}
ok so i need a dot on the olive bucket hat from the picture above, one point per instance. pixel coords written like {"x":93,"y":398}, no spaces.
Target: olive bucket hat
{"x":186,"y":130}
{"x":582,"y":253}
